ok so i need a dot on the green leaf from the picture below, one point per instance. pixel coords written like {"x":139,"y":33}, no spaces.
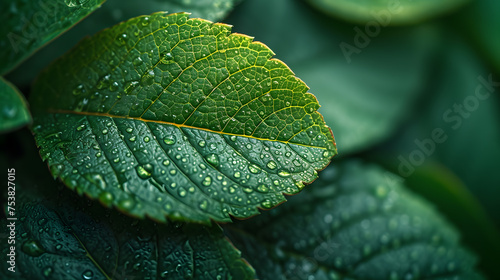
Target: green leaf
{"x":28,"y":25}
{"x":77,"y":240}
{"x":166,"y":115}
{"x":386,"y":12}
{"x":353,"y":223}
{"x":14,"y":111}
{"x":441,"y":187}
{"x":114,"y":12}
{"x":358,"y":101}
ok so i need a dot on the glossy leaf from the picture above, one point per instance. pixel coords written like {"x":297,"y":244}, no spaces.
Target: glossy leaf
{"x":386,"y":11}
{"x":14,"y":111}
{"x":78,"y":240}
{"x":114,"y":12}
{"x":166,"y":115}
{"x":353,"y":223}
{"x":358,"y":101}
{"x":28,"y":25}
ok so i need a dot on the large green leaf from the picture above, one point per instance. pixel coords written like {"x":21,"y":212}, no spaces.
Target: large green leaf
{"x":77,"y":240}
{"x":14,"y":111}
{"x":166,"y":115}
{"x":28,"y":25}
{"x":364,"y":94}
{"x":353,"y":223}
{"x":443,"y":189}
{"x":385,"y":12}
{"x":113,"y":12}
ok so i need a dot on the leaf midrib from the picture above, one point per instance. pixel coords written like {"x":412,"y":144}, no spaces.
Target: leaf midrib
{"x":95,"y":114}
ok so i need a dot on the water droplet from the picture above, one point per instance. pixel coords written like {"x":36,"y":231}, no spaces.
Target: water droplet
{"x":204,"y":205}
{"x":114,"y":86}
{"x":144,"y":171}
{"x":202,"y":143}
{"x":33,"y":248}
{"x":182,"y":192}
{"x":213,"y":159}
{"x":266,"y":204}
{"x":207,"y":181}
{"x":47,"y":271}
{"x":167,"y":58}
{"x":130,"y":86}
{"x":146,"y":139}
{"x":104,"y":131}
{"x":166,"y":162}
{"x":284,"y":173}
{"x":173,"y":172}
{"x":326,"y":154}
{"x":262,"y":189}
{"x":137,"y":61}
{"x":126,"y":204}
{"x":271,"y":164}
{"x":129,"y":130}
{"x":79,"y":90}
{"x":145,"y":21}
{"x":87,"y":275}
{"x":233,"y":138}
{"x":106,"y":198}
{"x":169,"y":140}
{"x":80,"y":127}
{"x":254,"y":168}
{"x":237,"y":174}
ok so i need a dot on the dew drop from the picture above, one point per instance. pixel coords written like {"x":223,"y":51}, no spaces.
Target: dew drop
{"x":266,"y":204}
{"x":137,"y":61}
{"x":271,"y":164}
{"x":87,"y":275}
{"x":207,"y":181}
{"x":169,"y":140}
{"x":129,"y":130}
{"x":132,"y":139}
{"x":237,"y":174}
{"x":32,"y":248}
{"x":204,"y":205}
{"x":79,"y":90}
{"x":202,"y":143}
{"x":262,"y":188}
{"x":104,"y":131}
{"x":213,"y":159}
{"x":284,"y":173}
{"x":254,"y":168}
{"x":146,"y":139}
{"x":144,"y":171}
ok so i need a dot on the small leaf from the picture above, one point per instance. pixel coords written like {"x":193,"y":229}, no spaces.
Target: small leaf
{"x":14,"y":111}
{"x":353,"y":223}
{"x":166,"y":115}
{"x":78,"y":240}
{"x":28,"y":25}
{"x":386,"y":12}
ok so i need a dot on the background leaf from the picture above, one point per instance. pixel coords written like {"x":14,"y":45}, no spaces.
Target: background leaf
{"x":14,"y":111}
{"x":178,"y":117}
{"x":353,"y":223}
{"x":396,"y":12}
{"x":113,"y":12}
{"x":75,"y":239}
{"x":28,"y":25}
{"x":357,"y":100}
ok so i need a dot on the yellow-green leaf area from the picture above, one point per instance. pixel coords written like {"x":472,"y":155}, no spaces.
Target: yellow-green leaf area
{"x":27,"y":25}
{"x":14,"y":111}
{"x":164,"y":115}
{"x":386,"y":12}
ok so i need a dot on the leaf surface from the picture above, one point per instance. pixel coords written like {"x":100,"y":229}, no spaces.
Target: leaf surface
{"x":14,"y":111}
{"x":386,"y":11}
{"x":353,"y":223}
{"x":28,"y":25}
{"x":78,"y":240}
{"x":166,"y":115}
